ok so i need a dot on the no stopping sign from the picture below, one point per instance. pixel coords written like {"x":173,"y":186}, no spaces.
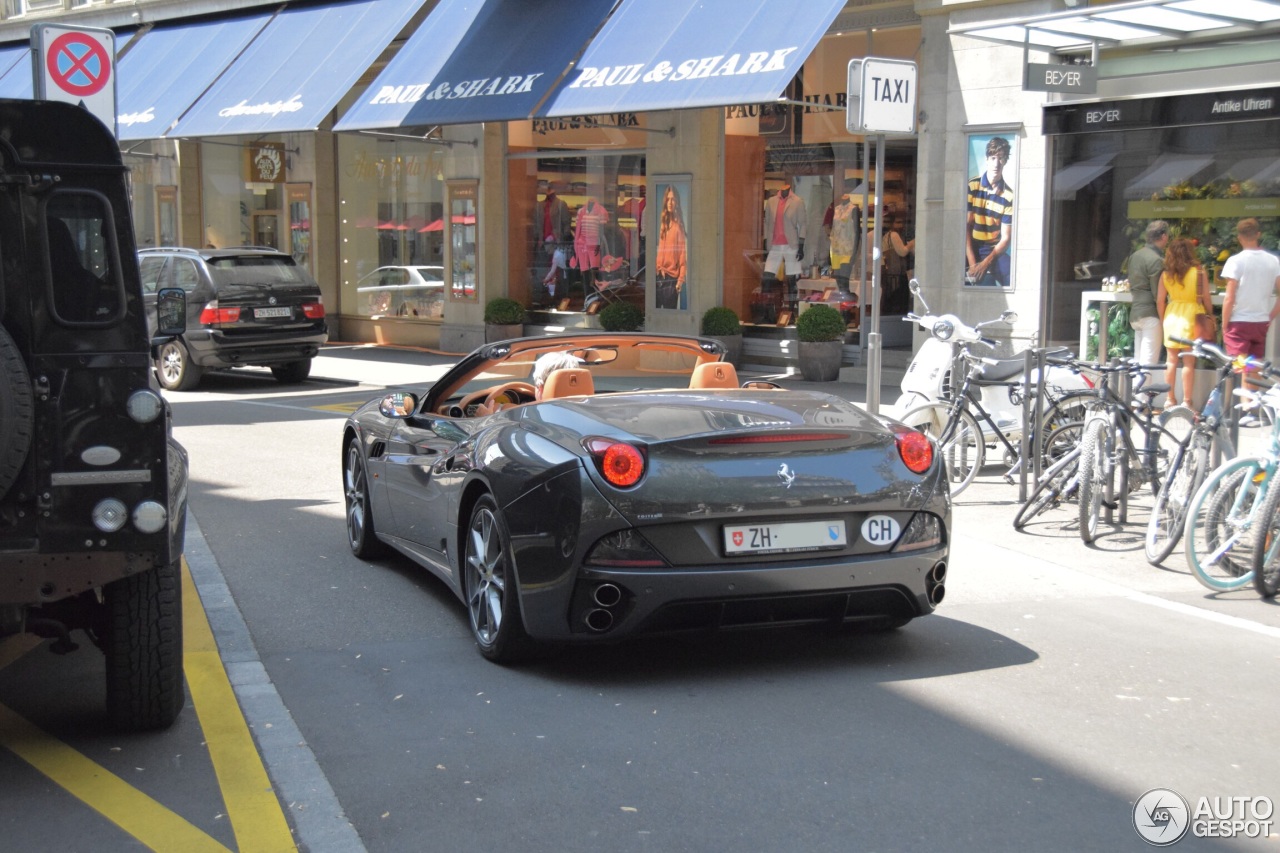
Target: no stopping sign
{"x":76,"y":65}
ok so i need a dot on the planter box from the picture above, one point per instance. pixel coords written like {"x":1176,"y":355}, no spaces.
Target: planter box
{"x":820,"y":360}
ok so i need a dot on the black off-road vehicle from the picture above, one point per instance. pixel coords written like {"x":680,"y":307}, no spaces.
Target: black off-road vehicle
{"x":92,"y":485}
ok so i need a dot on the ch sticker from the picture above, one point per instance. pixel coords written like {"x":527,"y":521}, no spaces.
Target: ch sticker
{"x":880,"y":530}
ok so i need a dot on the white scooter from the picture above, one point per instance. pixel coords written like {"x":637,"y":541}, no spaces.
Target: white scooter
{"x":928,"y":378}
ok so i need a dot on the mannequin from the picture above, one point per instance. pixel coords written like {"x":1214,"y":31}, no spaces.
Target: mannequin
{"x":592,"y":216}
{"x":846,"y":227}
{"x":785,"y":223}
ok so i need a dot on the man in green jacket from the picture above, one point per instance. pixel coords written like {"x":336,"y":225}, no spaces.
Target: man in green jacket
{"x":1145,"y":267}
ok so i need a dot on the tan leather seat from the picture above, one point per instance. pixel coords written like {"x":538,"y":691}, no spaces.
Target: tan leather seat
{"x":715,"y":374}
{"x":568,"y":382}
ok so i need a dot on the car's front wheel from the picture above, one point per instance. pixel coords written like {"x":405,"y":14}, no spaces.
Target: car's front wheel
{"x":493,"y":603}
{"x":364,"y":542}
{"x":293,"y":372}
{"x":175,"y":369}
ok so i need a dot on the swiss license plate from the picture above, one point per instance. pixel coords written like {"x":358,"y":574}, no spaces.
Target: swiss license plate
{"x":784,"y":538}
{"x":263,"y":313}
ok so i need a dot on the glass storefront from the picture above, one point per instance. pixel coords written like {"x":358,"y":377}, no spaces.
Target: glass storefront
{"x":575,"y":212}
{"x":153,"y":175}
{"x":1188,"y":160}
{"x":251,"y":191}
{"x":391,"y":209}
{"x":807,"y":151}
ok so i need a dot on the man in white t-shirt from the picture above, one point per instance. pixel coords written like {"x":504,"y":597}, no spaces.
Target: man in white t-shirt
{"x":1253,"y":279}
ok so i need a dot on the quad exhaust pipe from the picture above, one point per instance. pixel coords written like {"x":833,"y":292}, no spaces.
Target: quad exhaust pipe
{"x":599,"y":620}
{"x":934,"y":584}
{"x":605,"y":596}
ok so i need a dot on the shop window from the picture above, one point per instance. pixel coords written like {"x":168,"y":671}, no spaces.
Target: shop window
{"x":578,"y":230}
{"x":392,"y":227}
{"x":1105,"y":187}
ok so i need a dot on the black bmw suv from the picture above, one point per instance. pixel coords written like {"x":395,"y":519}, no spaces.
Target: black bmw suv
{"x":246,"y":306}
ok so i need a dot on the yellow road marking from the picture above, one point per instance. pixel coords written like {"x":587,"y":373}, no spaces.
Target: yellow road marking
{"x":253,"y":808}
{"x":252,"y":805}
{"x":108,"y":794}
{"x":345,"y":408}
{"x":15,"y":647}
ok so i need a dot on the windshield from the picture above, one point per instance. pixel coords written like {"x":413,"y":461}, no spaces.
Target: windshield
{"x":257,"y":269}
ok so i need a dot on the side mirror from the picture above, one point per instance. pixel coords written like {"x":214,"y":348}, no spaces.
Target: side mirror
{"x":398,"y":405}
{"x":171,"y":312}
{"x":914,"y":285}
{"x":1009,"y":316}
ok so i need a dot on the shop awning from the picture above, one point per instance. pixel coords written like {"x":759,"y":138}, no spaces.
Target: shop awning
{"x":1071,"y":179}
{"x":675,"y":54}
{"x":1169,"y":170}
{"x":1145,"y":22}
{"x":165,"y":71}
{"x":297,"y":69}
{"x":15,"y":72}
{"x":471,"y":61}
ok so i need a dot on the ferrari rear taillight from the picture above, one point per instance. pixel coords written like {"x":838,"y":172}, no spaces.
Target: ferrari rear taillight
{"x":212,"y":315}
{"x":915,"y":448}
{"x":313,"y":310}
{"x":622,"y":464}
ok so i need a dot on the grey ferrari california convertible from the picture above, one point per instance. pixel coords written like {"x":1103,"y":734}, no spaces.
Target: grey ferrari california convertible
{"x":591,"y":487}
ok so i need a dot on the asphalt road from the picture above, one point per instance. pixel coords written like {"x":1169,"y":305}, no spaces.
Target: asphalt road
{"x":1055,"y":685}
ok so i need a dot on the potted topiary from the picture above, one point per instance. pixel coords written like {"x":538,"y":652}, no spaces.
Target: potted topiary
{"x":621,"y":317}
{"x":503,"y":319}
{"x":821,"y":332}
{"x":722,"y":324}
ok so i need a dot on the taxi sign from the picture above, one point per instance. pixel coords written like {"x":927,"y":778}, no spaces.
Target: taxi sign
{"x":76,"y":65}
{"x":882,"y":96}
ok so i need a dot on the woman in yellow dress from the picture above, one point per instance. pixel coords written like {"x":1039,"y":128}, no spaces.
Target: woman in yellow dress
{"x":1183,"y":293}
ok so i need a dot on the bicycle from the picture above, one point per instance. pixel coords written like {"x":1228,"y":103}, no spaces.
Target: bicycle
{"x":1108,"y":456}
{"x":1191,"y":462}
{"x":957,"y":424}
{"x":1060,"y":481}
{"x":1219,"y":540}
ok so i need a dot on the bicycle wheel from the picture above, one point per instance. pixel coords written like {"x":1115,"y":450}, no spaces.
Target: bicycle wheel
{"x":1217,"y":535}
{"x":1056,"y":485}
{"x":1062,"y":440}
{"x":960,"y":442}
{"x":1093,"y":476}
{"x":1176,"y":426}
{"x":1266,"y":546}
{"x":1186,"y":472}
{"x":1068,"y":409}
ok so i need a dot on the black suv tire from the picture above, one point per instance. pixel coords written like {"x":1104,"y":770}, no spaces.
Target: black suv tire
{"x":17,"y":413}
{"x":143,"y":647}
{"x":293,"y":372}
{"x":174,"y":368}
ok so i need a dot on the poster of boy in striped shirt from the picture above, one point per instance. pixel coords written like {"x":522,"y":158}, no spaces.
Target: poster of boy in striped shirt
{"x":989,"y":221}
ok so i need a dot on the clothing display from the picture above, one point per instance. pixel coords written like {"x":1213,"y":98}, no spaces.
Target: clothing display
{"x":846,"y":224}
{"x":592,"y":217}
{"x":553,"y":219}
{"x":785,"y":224}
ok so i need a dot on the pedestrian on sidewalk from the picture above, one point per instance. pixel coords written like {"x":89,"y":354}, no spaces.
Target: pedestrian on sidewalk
{"x":1182,"y":292}
{"x":1250,"y":305}
{"x":1145,"y":267}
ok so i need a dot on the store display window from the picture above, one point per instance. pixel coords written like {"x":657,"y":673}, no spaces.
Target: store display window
{"x":578,"y":230}
{"x":1106,"y":186}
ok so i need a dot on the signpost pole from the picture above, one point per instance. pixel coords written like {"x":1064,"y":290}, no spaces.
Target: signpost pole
{"x":873,"y":339}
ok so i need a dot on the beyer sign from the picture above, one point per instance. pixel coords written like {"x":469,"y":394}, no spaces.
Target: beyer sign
{"x":1081,"y":79}
{"x":882,"y":96}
